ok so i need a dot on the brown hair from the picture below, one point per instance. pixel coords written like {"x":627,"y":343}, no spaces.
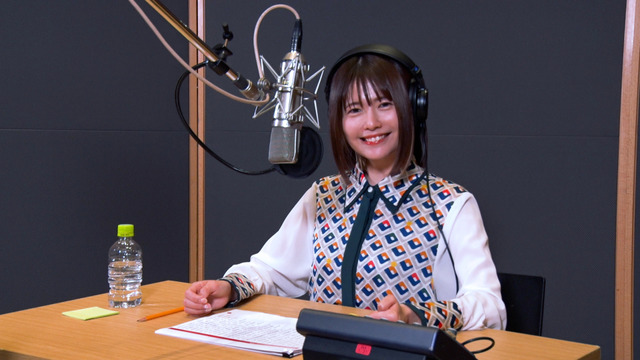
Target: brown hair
{"x":387,"y":79}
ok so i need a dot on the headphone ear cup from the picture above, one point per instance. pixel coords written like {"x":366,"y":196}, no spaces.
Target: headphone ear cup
{"x":418,"y":95}
{"x":421,"y":106}
{"x":420,"y":101}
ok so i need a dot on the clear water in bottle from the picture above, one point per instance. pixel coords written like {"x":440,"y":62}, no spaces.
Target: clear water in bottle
{"x":125,"y":270}
{"x":125,"y":278}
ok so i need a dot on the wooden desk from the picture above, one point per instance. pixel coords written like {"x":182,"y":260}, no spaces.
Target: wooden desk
{"x":45,"y":333}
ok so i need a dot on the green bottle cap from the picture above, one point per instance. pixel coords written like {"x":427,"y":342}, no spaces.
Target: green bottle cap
{"x":125,"y":230}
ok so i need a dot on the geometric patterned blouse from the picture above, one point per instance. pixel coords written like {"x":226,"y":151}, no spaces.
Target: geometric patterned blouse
{"x":373,"y":241}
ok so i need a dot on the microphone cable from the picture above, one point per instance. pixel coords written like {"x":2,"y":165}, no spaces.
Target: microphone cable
{"x":492,"y":343}
{"x":195,"y":137}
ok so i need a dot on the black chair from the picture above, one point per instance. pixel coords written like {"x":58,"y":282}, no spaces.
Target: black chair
{"x":523,"y":296}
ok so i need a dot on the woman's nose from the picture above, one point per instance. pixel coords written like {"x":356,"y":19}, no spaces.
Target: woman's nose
{"x":372,"y":120}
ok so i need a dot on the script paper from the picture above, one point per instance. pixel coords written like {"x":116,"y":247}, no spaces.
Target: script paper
{"x":241,"y":329}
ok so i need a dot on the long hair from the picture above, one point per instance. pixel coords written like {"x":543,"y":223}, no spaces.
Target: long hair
{"x":387,"y":79}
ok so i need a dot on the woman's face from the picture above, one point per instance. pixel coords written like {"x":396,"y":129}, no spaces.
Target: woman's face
{"x":372,"y":130}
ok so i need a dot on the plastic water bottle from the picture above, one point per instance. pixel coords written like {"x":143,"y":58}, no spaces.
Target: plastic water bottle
{"x":125,"y":270}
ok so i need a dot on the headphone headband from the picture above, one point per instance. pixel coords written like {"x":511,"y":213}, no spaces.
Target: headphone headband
{"x":377,"y":49}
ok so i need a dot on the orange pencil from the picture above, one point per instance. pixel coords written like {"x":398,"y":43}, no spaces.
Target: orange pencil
{"x":163,"y":313}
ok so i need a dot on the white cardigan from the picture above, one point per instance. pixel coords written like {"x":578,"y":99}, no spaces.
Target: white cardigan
{"x":283,"y":266}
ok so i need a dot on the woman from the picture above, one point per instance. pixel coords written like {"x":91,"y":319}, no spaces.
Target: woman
{"x":384,"y":234}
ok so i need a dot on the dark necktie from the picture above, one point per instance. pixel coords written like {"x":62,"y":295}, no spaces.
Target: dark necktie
{"x":356,"y":237}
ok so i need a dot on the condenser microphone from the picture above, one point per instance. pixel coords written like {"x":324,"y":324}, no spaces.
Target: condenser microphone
{"x":288,"y":117}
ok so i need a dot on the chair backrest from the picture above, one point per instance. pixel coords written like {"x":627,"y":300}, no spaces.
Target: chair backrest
{"x":523,"y":296}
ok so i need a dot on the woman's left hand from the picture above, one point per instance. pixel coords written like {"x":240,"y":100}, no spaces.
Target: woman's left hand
{"x":390,"y":309}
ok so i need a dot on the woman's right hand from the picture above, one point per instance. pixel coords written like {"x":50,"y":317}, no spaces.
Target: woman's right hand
{"x":202,"y":297}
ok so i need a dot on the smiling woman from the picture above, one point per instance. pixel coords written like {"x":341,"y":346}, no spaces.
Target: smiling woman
{"x":384,"y":233}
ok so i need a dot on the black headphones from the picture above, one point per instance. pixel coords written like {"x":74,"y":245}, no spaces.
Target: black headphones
{"x":418,"y":93}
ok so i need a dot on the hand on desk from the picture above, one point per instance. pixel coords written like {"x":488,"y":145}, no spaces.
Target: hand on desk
{"x":202,"y":297}
{"x":390,"y":309}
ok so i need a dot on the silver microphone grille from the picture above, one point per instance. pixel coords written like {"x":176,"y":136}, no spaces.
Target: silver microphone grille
{"x":283,"y":146}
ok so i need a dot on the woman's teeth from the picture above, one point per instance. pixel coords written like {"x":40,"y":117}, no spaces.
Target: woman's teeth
{"x":374,"y":139}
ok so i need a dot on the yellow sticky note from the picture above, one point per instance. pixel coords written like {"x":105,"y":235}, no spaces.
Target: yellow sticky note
{"x":90,"y":313}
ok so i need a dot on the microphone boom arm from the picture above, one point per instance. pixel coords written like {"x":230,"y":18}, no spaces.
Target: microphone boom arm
{"x":243,"y":84}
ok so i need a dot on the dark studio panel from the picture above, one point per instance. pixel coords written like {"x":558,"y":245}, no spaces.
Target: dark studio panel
{"x":89,"y":139}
